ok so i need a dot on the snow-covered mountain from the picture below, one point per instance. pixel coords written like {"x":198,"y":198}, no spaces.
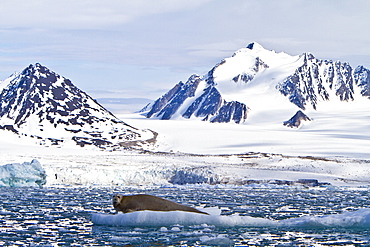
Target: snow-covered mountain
{"x":320,"y":80}
{"x":47,"y":107}
{"x":255,"y":78}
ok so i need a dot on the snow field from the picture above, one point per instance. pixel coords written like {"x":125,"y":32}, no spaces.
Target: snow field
{"x":342,"y":131}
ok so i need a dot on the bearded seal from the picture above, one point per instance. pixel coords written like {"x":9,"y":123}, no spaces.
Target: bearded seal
{"x":127,"y":204}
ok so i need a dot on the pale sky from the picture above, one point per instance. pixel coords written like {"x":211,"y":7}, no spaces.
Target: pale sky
{"x":142,"y":48}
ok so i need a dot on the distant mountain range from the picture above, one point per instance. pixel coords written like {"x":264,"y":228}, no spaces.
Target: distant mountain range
{"x":230,"y":89}
{"x":40,"y":104}
{"x":253,"y":84}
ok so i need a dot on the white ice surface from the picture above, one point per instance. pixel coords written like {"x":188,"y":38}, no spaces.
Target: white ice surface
{"x":280,"y":66}
{"x":151,"y":218}
{"x":355,"y":219}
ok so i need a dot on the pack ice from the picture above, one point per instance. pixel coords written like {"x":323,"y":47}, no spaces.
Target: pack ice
{"x":27,"y":174}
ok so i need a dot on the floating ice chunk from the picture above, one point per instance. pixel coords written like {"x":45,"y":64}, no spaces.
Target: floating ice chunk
{"x":359,"y":218}
{"x":125,"y":239}
{"x":163,"y":229}
{"x":211,"y":210}
{"x":22,"y":175}
{"x":220,"y":240}
{"x":175,"y":229}
{"x":159,"y":219}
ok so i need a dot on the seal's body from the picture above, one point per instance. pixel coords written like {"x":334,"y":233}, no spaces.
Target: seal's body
{"x":127,"y":204}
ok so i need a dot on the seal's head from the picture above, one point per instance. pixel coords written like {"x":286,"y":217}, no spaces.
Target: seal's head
{"x":117,"y":198}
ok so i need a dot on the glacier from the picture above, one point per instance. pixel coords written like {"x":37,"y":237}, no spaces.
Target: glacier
{"x":166,"y":169}
{"x":27,"y":174}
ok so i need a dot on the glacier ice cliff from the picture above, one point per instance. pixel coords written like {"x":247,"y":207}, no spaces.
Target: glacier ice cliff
{"x":27,"y":174}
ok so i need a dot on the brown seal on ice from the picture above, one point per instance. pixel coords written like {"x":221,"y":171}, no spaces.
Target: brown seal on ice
{"x":127,"y":204}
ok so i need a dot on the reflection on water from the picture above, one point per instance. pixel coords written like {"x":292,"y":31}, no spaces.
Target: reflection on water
{"x":62,"y":216}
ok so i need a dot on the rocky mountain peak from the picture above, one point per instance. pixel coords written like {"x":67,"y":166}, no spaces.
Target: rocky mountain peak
{"x":308,"y":56}
{"x":255,"y":46}
{"x":362,"y":79}
{"x":36,"y":69}
{"x":297,"y":120}
{"x":50,"y":108}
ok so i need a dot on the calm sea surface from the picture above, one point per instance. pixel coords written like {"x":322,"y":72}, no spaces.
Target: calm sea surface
{"x":62,"y":216}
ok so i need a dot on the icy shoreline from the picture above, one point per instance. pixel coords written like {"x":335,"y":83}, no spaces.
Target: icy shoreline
{"x":147,"y":169}
{"x":162,"y":169}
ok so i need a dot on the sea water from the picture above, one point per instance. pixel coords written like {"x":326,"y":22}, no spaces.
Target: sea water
{"x":270,"y":216}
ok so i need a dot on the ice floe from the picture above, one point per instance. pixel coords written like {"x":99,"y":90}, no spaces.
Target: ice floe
{"x":355,"y":219}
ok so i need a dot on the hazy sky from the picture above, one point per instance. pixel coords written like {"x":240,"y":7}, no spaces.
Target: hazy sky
{"x":141,"y":48}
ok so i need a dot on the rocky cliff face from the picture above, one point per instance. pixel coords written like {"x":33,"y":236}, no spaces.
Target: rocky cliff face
{"x":361,"y":77}
{"x":43,"y":105}
{"x":318,"y":80}
{"x":207,"y":104}
{"x":222,"y":94}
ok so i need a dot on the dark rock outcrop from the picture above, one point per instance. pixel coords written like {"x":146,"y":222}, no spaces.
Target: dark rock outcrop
{"x":297,"y":119}
{"x":362,"y":79}
{"x":208,"y":105}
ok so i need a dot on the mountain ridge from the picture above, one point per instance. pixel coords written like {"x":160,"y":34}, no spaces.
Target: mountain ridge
{"x":224,"y":93}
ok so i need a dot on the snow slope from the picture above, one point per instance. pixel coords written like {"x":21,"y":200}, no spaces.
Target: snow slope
{"x":264,"y":69}
{"x":340,"y":131}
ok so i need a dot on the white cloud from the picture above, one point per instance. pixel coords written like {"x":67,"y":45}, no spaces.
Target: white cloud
{"x":173,"y":37}
{"x":82,"y":14}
